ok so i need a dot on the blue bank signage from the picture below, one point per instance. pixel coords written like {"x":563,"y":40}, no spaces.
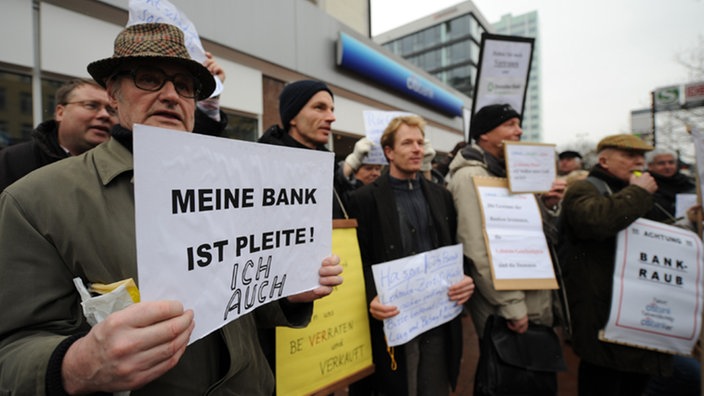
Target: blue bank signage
{"x":357,"y":57}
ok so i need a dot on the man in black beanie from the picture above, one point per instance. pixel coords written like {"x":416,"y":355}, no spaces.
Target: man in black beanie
{"x":491,"y":126}
{"x":306,"y":109}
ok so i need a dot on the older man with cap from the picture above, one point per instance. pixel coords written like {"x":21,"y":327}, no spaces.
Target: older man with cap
{"x":490,"y":127}
{"x":594,"y":211}
{"x":88,"y":232}
{"x":568,"y":161}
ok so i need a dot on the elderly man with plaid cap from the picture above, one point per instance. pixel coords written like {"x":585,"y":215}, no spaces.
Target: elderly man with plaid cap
{"x":75,"y":219}
{"x":594,"y":211}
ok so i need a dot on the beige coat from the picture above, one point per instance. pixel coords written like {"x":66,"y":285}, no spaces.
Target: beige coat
{"x":512,"y":304}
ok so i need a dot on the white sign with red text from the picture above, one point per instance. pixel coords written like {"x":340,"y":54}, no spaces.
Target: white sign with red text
{"x":657,"y":288}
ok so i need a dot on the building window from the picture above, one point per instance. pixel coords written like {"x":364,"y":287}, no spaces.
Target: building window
{"x":458,"y":27}
{"x":458,"y":53}
{"x":241,"y":127}
{"x":26,"y":103}
{"x":460,"y":78}
{"x":16,"y":109}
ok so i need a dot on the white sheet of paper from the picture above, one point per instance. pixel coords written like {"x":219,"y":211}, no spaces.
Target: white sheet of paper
{"x":657,"y":288}
{"x":530,"y":167}
{"x":375,"y":121}
{"x":684,"y":202}
{"x":514,"y":227}
{"x":162,"y":11}
{"x":225,"y":226}
{"x":418,"y":285}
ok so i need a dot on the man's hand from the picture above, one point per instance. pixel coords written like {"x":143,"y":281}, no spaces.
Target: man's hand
{"x":462,"y":290}
{"x":555,"y":195}
{"x":129,"y":349}
{"x":380,"y":311}
{"x":644,"y":181}
{"x":213,"y":67}
{"x":520,"y":326}
{"x":329,"y":273}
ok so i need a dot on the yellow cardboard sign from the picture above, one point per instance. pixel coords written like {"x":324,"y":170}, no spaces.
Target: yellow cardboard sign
{"x":334,"y":350}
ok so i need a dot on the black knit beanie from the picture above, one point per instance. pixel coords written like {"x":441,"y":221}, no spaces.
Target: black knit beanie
{"x":295,"y":95}
{"x":489,"y":117}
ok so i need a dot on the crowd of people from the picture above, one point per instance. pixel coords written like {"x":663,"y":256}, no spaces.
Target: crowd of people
{"x":80,"y":166}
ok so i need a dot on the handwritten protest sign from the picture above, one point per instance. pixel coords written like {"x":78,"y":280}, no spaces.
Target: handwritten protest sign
{"x":418,"y":286}
{"x":162,"y":11}
{"x":682,"y":203}
{"x":657,"y":288}
{"x":530,"y":166}
{"x":513,"y":230}
{"x":375,"y":122}
{"x":223,"y":227}
{"x":334,"y":350}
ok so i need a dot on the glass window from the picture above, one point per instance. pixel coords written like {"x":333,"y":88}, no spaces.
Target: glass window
{"x":26,"y":103}
{"x":241,"y":127}
{"x":458,"y":27}
{"x":474,"y":52}
{"x":49,"y":88}
{"x":458,"y":53}
{"x":460,"y":78}
{"x":17,"y":108}
{"x":406,"y":45}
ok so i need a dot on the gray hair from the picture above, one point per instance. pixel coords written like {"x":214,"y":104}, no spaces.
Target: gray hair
{"x":650,"y":155}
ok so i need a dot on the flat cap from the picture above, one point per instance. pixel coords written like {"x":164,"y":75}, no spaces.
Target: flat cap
{"x":569,"y":154}
{"x":623,"y":141}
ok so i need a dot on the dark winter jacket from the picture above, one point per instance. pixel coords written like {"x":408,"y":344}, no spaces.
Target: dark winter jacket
{"x":666,"y":195}
{"x":20,"y":159}
{"x":591,"y":220}
{"x":380,"y":240}
{"x":277,"y":136}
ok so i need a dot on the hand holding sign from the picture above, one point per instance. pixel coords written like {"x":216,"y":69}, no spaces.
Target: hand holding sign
{"x":329,"y":273}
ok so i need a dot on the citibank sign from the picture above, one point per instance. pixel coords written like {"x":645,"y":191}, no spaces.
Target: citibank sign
{"x":357,"y":57}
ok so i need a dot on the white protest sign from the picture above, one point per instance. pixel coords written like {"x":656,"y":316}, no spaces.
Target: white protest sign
{"x":698,"y":140}
{"x":375,"y":121}
{"x":162,"y":11}
{"x":657,"y":288}
{"x":531,"y":167}
{"x":682,"y":203}
{"x":517,"y":248}
{"x":225,"y":226}
{"x":503,"y":71}
{"x":418,"y":286}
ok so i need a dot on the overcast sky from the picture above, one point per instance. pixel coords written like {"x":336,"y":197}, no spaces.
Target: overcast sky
{"x":600,"y":58}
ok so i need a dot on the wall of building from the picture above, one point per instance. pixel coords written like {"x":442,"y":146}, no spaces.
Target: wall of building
{"x":282,"y":40}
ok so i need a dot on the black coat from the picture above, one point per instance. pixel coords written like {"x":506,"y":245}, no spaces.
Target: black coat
{"x":379,"y":236}
{"x":277,"y":136}
{"x":20,"y":159}
{"x":666,"y":195}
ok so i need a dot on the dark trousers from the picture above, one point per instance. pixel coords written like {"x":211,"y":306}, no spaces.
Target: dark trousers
{"x":601,"y":381}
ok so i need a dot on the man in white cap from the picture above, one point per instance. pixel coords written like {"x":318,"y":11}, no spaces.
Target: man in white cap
{"x":75,"y":219}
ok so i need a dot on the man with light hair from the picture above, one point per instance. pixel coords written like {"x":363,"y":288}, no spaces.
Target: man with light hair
{"x":662,"y":164}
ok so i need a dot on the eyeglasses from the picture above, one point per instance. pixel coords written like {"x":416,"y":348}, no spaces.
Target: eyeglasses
{"x":153,"y":79}
{"x":94,"y":106}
